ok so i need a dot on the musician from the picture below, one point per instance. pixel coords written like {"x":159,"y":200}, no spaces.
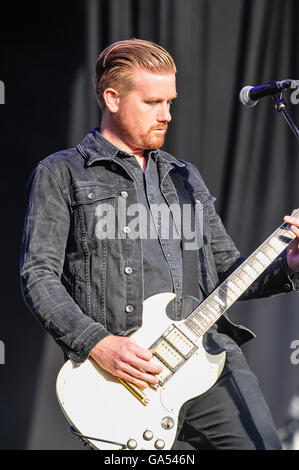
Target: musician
{"x":86,"y":270}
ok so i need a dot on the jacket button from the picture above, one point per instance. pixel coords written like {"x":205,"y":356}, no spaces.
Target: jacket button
{"x":126,"y":230}
{"x":113,"y":166}
{"x":91,"y":196}
{"x":128,"y":270}
{"x":124,"y":194}
{"x":129,"y":308}
{"x":287,"y":287}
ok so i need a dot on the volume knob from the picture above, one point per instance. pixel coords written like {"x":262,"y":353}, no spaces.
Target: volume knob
{"x":131,"y":444}
{"x":148,"y":435}
{"x":159,"y":444}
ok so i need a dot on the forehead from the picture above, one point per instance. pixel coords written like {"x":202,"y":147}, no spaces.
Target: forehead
{"x":147,"y":84}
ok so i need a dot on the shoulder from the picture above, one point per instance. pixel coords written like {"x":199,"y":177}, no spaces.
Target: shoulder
{"x":62,"y":159}
{"x":56,"y":169}
{"x":189,"y":171}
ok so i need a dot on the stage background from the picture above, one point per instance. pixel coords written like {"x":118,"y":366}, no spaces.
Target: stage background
{"x":248,"y":157}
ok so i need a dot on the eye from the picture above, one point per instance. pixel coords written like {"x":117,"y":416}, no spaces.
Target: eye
{"x":152,"y":102}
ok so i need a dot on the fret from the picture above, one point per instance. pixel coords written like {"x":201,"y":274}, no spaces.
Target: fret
{"x":217,"y":307}
{"x":210,"y":310}
{"x":270,"y":252}
{"x":257,"y":266}
{"x":204,"y":324}
{"x":245,"y":278}
{"x":206,"y":318}
{"x":195,"y":325}
{"x":190,"y":323}
{"x":236,"y":280}
{"x":284,"y":236}
{"x":217,"y":298}
{"x":234,"y":287}
{"x":228,"y":294}
{"x":263,"y":259}
{"x":250,"y":271}
{"x":277,"y":244}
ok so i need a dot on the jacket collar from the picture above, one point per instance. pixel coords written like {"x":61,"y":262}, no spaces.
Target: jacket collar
{"x":95,"y":147}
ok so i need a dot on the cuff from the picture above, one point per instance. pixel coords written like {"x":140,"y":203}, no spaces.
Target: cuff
{"x":86,"y":342}
{"x":290,"y":282}
{"x":294,"y":279}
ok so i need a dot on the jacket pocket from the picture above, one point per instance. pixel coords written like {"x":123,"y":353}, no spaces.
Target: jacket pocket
{"x":94,"y":209}
{"x":202,"y":200}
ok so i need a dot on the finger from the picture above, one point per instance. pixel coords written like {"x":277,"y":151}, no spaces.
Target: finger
{"x":142,"y":353}
{"x":291,"y":220}
{"x":295,"y":229}
{"x":133,"y":380}
{"x":144,"y":366}
{"x":146,"y":355}
{"x":137,"y":376}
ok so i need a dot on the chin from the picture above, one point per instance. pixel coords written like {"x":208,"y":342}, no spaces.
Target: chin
{"x":155,"y":144}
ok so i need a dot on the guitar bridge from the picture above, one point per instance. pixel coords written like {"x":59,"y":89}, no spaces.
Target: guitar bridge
{"x":137,"y":392}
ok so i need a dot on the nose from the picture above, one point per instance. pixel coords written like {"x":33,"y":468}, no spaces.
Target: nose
{"x":164,"y":113}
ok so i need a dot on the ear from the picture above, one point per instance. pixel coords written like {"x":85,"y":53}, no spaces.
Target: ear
{"x":112,"y":99}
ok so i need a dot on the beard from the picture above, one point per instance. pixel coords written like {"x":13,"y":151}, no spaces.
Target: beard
{"x":149,"y":140}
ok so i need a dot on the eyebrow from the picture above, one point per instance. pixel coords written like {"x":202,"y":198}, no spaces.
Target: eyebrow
{"x":156,"y":98}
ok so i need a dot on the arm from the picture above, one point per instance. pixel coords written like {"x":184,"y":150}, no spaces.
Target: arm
{"x":275,"y":279}
{"x":45,"y":236}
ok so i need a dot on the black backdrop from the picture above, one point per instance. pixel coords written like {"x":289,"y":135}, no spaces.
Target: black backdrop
{"x":248,"y":157}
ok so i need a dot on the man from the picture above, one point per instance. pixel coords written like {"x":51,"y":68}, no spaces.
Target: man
{"x":86,"y":280}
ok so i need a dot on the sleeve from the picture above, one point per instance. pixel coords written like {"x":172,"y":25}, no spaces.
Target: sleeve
{"x":45,"y":235}
{"x":274,"y":280}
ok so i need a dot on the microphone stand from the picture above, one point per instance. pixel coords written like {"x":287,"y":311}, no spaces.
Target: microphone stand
{"x":280,"y":105}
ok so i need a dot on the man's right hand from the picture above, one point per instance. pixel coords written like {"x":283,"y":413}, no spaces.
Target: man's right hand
{"x":123,"y":358}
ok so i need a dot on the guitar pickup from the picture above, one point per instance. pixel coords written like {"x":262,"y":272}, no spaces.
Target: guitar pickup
{"x":168,"y":354}
{"x":171,"y":351}
{"x":180,"y":342}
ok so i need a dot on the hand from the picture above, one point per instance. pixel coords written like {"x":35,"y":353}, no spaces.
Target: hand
{"x":123,"y":358}
{"x":293,"y":249}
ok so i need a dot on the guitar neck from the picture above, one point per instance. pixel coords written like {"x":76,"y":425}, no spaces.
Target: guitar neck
{"x":211,"y":309}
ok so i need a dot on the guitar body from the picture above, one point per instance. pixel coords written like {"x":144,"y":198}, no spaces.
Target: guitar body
{"x":99,"y":406}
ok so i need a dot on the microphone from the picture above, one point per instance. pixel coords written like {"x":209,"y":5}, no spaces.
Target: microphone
{"x":249,"y":96}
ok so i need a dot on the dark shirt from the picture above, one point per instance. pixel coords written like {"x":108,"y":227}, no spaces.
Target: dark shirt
{"x":161,"y":241}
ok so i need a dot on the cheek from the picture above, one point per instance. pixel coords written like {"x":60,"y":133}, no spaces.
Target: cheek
{"x":140,"y":121}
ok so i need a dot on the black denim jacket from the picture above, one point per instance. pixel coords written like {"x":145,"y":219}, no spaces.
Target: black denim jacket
{"x":83,"y":286}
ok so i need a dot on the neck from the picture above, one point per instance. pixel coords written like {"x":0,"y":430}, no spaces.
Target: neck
{"x":111,"y":134}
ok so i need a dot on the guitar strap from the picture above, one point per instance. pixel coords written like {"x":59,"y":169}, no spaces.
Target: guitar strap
{"x":190,"y":257}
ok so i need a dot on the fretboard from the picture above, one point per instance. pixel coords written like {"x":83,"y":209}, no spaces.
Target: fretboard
{"x":211,"y":309}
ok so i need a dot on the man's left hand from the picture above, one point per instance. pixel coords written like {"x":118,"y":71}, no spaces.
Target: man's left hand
{"x":293,"y":249}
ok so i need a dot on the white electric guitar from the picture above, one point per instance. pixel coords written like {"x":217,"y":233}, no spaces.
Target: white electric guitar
{"x":109,"y":413}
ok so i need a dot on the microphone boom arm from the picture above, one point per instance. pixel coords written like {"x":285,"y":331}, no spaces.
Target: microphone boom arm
{"x":280,"y":106}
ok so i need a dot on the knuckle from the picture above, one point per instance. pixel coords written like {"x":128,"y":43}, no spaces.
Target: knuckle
{"x":126,"y":356}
